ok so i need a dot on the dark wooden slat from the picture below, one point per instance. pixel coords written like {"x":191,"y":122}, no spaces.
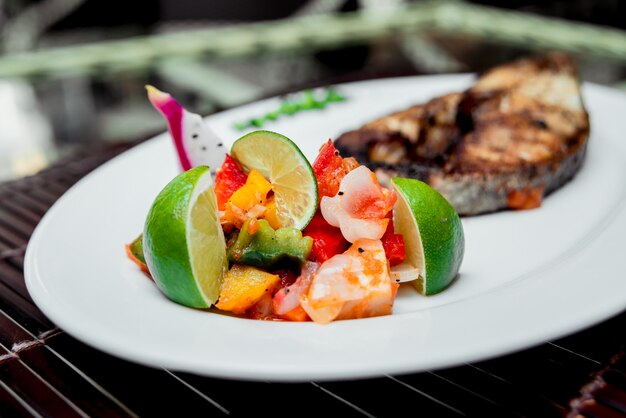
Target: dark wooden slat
{"x":14,"y":223}
{"x":70,"y":383}
{"x":90,"y":161}
{"x":5,"y":248}
{"x":492,"y":388}
{"x":17,"y":261}
{"x":84,"y":165}
{"x":604,"y":395}
{"x":11,"y":406}
{"x":22,"y":212}
{"x":613,"y":396}
{"x":54,"y":371}
{"x":55,"y":187}
{"x":386,"y":397}
{"x":36,"y":192}
{"x":562,"y":356}
{"x":539,"y":376}
{"x":10,"y":205}
{"x":600,"y":342}
{"x":10,"y":332}
{"x":13,"y":278}
{"x":24,"y":200}
{"x":23,"y":311}
{"x":590,"y":408}
{"x":147,"y":391}
{"x":615,"y":377}
{"x":38,"y":395}
{"x":459,"y":398}
{"x":619,"y":361}
{"x":227,"y":393}
{"x":43,"y":185}
{"x":11,"y":238}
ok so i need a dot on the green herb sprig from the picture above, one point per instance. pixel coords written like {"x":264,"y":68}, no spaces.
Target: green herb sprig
{"x":288,"y":107}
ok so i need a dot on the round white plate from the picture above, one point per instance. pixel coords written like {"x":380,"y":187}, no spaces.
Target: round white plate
{"x":527,"y":276}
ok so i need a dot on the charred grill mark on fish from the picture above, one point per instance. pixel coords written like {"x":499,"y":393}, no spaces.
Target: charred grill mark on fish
{"x":521,"y":127}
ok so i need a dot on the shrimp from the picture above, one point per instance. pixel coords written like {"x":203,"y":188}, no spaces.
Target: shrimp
{"x":288,"y":298}
{"x":355,"y":284}
{"x":360,"y":207}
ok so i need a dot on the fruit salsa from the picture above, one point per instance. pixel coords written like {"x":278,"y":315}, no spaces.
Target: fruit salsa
{"x":274,"y":237}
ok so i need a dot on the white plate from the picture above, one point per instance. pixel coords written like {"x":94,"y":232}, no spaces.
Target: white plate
{"x":527,"y":276}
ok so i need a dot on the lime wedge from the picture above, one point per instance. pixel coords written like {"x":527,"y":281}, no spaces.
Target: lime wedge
{"x":280,"y":161}
{"x":433,"y":234}
{"x":183,"y":241}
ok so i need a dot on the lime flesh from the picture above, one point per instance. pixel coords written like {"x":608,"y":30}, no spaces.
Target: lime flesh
{"x":280,"y":161}
{"x":183,"y":241}
{"x":433,"y":234}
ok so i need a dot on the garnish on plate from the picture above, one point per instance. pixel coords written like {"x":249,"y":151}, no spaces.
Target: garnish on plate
{"x":277,"y":238}
{"x":307,"y":100}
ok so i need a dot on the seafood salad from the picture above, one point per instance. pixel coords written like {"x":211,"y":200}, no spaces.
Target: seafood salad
{"x":260,"y":232}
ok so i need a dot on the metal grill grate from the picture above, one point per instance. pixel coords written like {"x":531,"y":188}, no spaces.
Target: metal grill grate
{"x":45,"y":372}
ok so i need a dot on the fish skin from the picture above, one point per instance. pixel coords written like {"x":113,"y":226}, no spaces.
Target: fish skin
{"x":520,"y":126}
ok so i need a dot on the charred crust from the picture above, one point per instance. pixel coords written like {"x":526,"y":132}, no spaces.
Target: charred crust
{"x":477,"y":145}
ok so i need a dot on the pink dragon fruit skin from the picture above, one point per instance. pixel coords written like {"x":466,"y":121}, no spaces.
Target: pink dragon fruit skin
{"x":196,"y":144}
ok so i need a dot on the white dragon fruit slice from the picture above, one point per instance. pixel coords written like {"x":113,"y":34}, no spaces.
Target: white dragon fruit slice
{"x":196,"y":144}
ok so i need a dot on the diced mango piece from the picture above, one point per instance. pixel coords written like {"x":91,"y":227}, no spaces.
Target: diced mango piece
{"x":244,"y":286}
{"x":253,"y":192}
{"x":258,"y":182}
{"x":248,"y":201}
{"x":270,"y":213}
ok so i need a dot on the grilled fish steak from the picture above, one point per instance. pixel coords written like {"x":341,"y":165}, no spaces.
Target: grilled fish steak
{"x":519,"y":133}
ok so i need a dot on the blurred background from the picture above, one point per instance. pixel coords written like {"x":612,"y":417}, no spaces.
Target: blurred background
{"x":72,"y":72}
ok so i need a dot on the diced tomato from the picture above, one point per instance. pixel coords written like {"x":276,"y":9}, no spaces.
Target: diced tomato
{"x":262,"y":309}
{"x":326,"y":243}
{"x":297,"y":315}
{"x":230,"y":178}
{"x":329,"y":170}
{"x":327,"y":240}
{"x":394,"y":245}
{"x":526,"y":198}
{"x":318,"y":222}
{"x":287,"y":277}
{"x":394,"y":248}
{"x":135,"y":260}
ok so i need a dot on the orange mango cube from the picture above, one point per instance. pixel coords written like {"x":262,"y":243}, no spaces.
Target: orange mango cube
{"x":243,"y":287}
{"x":253,"y":192}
